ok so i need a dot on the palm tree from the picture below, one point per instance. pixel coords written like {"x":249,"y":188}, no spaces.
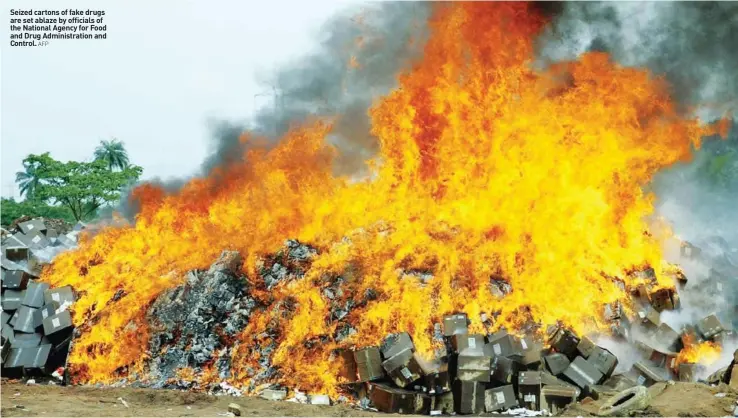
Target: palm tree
{"x":27,"y":180}
{"x":113,"y":152}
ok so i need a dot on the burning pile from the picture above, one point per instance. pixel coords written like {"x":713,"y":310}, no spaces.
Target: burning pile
{"x":498,"y":190}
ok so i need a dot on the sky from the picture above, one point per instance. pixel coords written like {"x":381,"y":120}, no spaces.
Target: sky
{"x":165,"y":70}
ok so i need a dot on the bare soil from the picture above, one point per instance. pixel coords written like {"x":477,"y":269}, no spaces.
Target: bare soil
{"x":18,"y":399}
{"x":85,"y":401}
{"x":677,"y":400}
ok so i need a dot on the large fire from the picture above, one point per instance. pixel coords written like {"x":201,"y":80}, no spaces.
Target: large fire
{"x":487,"y":168}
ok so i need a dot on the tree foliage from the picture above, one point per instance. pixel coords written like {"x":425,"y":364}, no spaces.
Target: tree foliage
{"x":114,"y":153}
{"x":12,"y":210}
{"x":27,"y":181}
{"x":83,"y":187}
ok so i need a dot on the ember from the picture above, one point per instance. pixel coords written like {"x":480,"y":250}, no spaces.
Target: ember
{"x":503,"y":200}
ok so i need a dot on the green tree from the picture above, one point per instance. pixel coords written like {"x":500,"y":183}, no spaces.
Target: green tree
{"x":12,"y":210}
{"x":27,"y":180}
{"x":114,"y":153}
{"x":80,"y":186}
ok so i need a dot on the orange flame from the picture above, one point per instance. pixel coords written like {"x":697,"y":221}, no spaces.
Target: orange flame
{"x":704,"y":353}
{"x":487,"y":168}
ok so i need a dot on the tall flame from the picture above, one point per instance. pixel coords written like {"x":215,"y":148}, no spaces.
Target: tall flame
{"x":487,"y":168}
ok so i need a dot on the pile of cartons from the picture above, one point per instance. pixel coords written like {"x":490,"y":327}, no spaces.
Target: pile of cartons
{"x":497,"y":372}
{"x":37,"y":327}
{"x":480,"y":373}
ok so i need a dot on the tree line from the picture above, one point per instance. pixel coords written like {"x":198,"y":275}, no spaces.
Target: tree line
{"x":72,"y":190}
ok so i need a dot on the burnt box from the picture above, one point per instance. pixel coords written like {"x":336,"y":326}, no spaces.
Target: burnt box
{"x":583,"y":374}
{"x":564,"y":341}
{"x":603,"y":360}
{"x":504,"y":370}
{"x":468,"y":397}
{"x":500,"y":399}
{"x":455,"y":324}
{"x":403,"y":368}
{"x":556,"y":363}
{"x":503,"y":344}
{"x":710,"y":326}
{"x":368,"y":363}
{"x":468,"y":344}
{"x":529,"y":389}
{"x":555,"y":398}
{"x":473,"y":368}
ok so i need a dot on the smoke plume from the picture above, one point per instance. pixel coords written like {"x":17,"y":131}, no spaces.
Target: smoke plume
{"x":691,"y":44}
{"x":357,"y":60}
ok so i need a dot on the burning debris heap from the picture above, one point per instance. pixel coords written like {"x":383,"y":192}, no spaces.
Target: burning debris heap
{"x":37,"y":327}
{"x":199,"y":327}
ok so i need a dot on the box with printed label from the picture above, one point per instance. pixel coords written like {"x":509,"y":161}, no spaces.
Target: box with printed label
{"x":500,"y":399}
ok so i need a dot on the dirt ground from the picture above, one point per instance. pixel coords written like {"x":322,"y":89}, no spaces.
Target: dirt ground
{"x":81,"y":401}
{"x":677,"y":400}
{"x":680,"y":399}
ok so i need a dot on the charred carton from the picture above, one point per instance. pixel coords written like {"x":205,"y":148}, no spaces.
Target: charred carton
{"x":503,"y":344}
{"x":563,"y":341}
{"x":368,"y":363}
{"x":467,"y":344}
{"x":583,"y":374}
{"x":644,"y":375}
{"x":473,"y":368}
{"x":398,"y":401}
{"x":664,"y":299}
{"x":500,"y":399}
{"x":346,"y":362}
{"x":468,"y":397}
{"x":438,"y":381}
{"x":443,"y":404}
{"x":403,"y":368}
{"x":586,"y":347}
{"x":504,"y":370}
{"x":649,"y":318}
{"x":555,"y":399}
{"x":532,"y":357}
{"x":710,"y":327}
{"x":603,"y":360}
{"x":666,"y":339}
{"x":529,"y":389}
{"x":455,"y":324}
{"x":556,"y":363}
{"x":690,"y":336}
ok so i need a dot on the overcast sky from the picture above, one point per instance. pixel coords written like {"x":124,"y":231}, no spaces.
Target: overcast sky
{"x":166,"y":68}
